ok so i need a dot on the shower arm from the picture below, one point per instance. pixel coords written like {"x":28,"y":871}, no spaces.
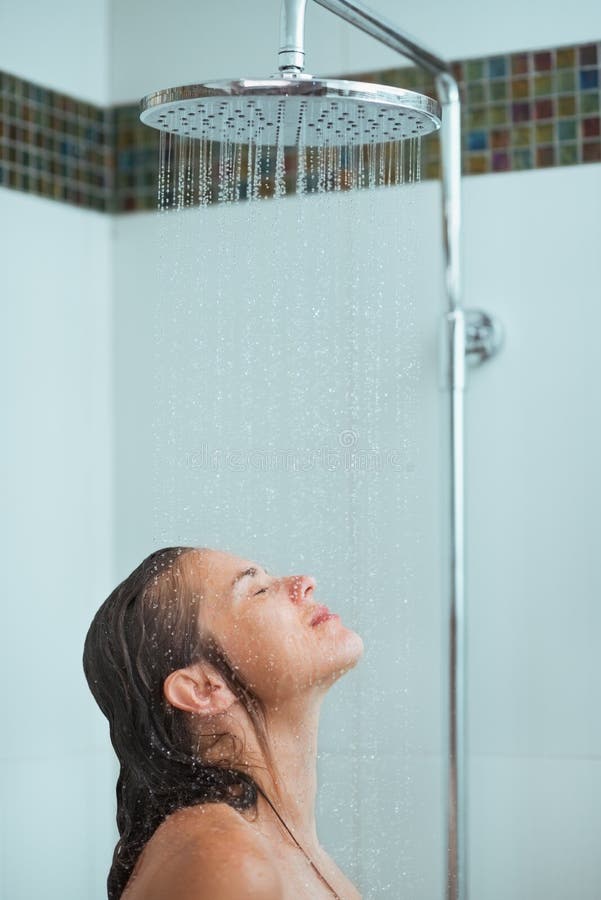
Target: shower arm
{"x":291,"y":61}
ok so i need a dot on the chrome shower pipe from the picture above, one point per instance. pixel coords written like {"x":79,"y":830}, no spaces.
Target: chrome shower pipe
{"x":292,"y":36}
{"x":453,"y":369}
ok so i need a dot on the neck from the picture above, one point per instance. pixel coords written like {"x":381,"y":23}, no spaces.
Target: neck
{"x":292,"y":730}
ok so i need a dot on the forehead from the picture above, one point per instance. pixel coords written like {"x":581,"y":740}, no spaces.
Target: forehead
{"x":216,"y":569}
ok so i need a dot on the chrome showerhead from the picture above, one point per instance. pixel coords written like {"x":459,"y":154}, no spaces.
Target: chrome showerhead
{"x":291,"y":110}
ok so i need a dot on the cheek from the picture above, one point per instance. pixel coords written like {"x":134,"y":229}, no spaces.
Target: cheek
{"x":266,"y":645}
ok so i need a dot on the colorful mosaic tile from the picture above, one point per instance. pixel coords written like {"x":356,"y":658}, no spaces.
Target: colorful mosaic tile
{"x":54,"y":145}
{"x":522,"y":110}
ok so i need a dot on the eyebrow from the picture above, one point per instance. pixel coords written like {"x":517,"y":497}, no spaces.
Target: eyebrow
{"x":251,"y":571}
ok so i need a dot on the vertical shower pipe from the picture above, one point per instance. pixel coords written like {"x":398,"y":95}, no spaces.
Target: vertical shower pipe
{"x":291,"y":59}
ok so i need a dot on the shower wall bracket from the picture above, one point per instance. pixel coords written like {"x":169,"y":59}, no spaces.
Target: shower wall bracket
{"x":484,"y":336}
{"x":468,"y":338}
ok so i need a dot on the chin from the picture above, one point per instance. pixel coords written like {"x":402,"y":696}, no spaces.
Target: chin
{"x":350,"y":652}
{"x":344,"y":652}
{"x":358,"y":643}
{"x":353,"y":637}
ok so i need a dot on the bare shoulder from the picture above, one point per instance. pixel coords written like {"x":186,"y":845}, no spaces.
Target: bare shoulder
{"x":206,"y":852}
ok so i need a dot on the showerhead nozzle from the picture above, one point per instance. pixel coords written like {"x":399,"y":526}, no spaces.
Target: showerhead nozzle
{"x":290,"y":110}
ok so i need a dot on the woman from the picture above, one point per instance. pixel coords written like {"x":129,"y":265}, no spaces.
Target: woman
{"x":211,"y":673}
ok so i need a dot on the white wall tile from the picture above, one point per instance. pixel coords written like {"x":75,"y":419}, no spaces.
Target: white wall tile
{"x":153,"y":49}
{"x":193,"y":42}
{"x":60,"y":810}
{"x":57,"y":460}
{"x":62,"y":45}
{"x":533,"y":443}
{"x":534,"y":826}
{"x":469,"y":28}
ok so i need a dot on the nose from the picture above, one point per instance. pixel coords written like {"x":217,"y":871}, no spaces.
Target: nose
{"x":301,"y":587}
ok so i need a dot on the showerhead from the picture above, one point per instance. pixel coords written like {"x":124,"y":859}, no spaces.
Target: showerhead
{"x":290,"y":110}
{"x":343,"y":134}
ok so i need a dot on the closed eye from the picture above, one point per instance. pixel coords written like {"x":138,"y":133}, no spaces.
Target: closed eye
{"x":262,"y":591}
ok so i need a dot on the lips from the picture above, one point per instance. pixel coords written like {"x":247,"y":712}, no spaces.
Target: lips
{"x":321,"y":614}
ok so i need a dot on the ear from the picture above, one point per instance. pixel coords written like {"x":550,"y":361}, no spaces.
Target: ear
{"x":198,"y":690}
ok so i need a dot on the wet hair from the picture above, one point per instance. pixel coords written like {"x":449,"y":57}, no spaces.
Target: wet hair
{"x":147,"y":628}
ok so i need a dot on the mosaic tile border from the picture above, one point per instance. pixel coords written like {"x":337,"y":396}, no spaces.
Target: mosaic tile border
{"x":524,"y":110}
{"x":529,"y":110}
{"x":54,"y":145}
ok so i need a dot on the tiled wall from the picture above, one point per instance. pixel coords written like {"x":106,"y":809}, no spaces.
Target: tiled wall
{"x":520,"y":110}
{"x":54,"y":145}
{"x":525,"y":110}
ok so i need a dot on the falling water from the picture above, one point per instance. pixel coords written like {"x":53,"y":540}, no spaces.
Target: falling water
{"x":293,"y":336}
{"x":196,"y":172}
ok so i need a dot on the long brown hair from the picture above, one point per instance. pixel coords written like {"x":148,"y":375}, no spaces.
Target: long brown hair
{"x":145,"y":629}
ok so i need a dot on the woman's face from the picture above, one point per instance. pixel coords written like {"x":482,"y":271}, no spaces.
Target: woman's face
{"x":263,"y":622}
